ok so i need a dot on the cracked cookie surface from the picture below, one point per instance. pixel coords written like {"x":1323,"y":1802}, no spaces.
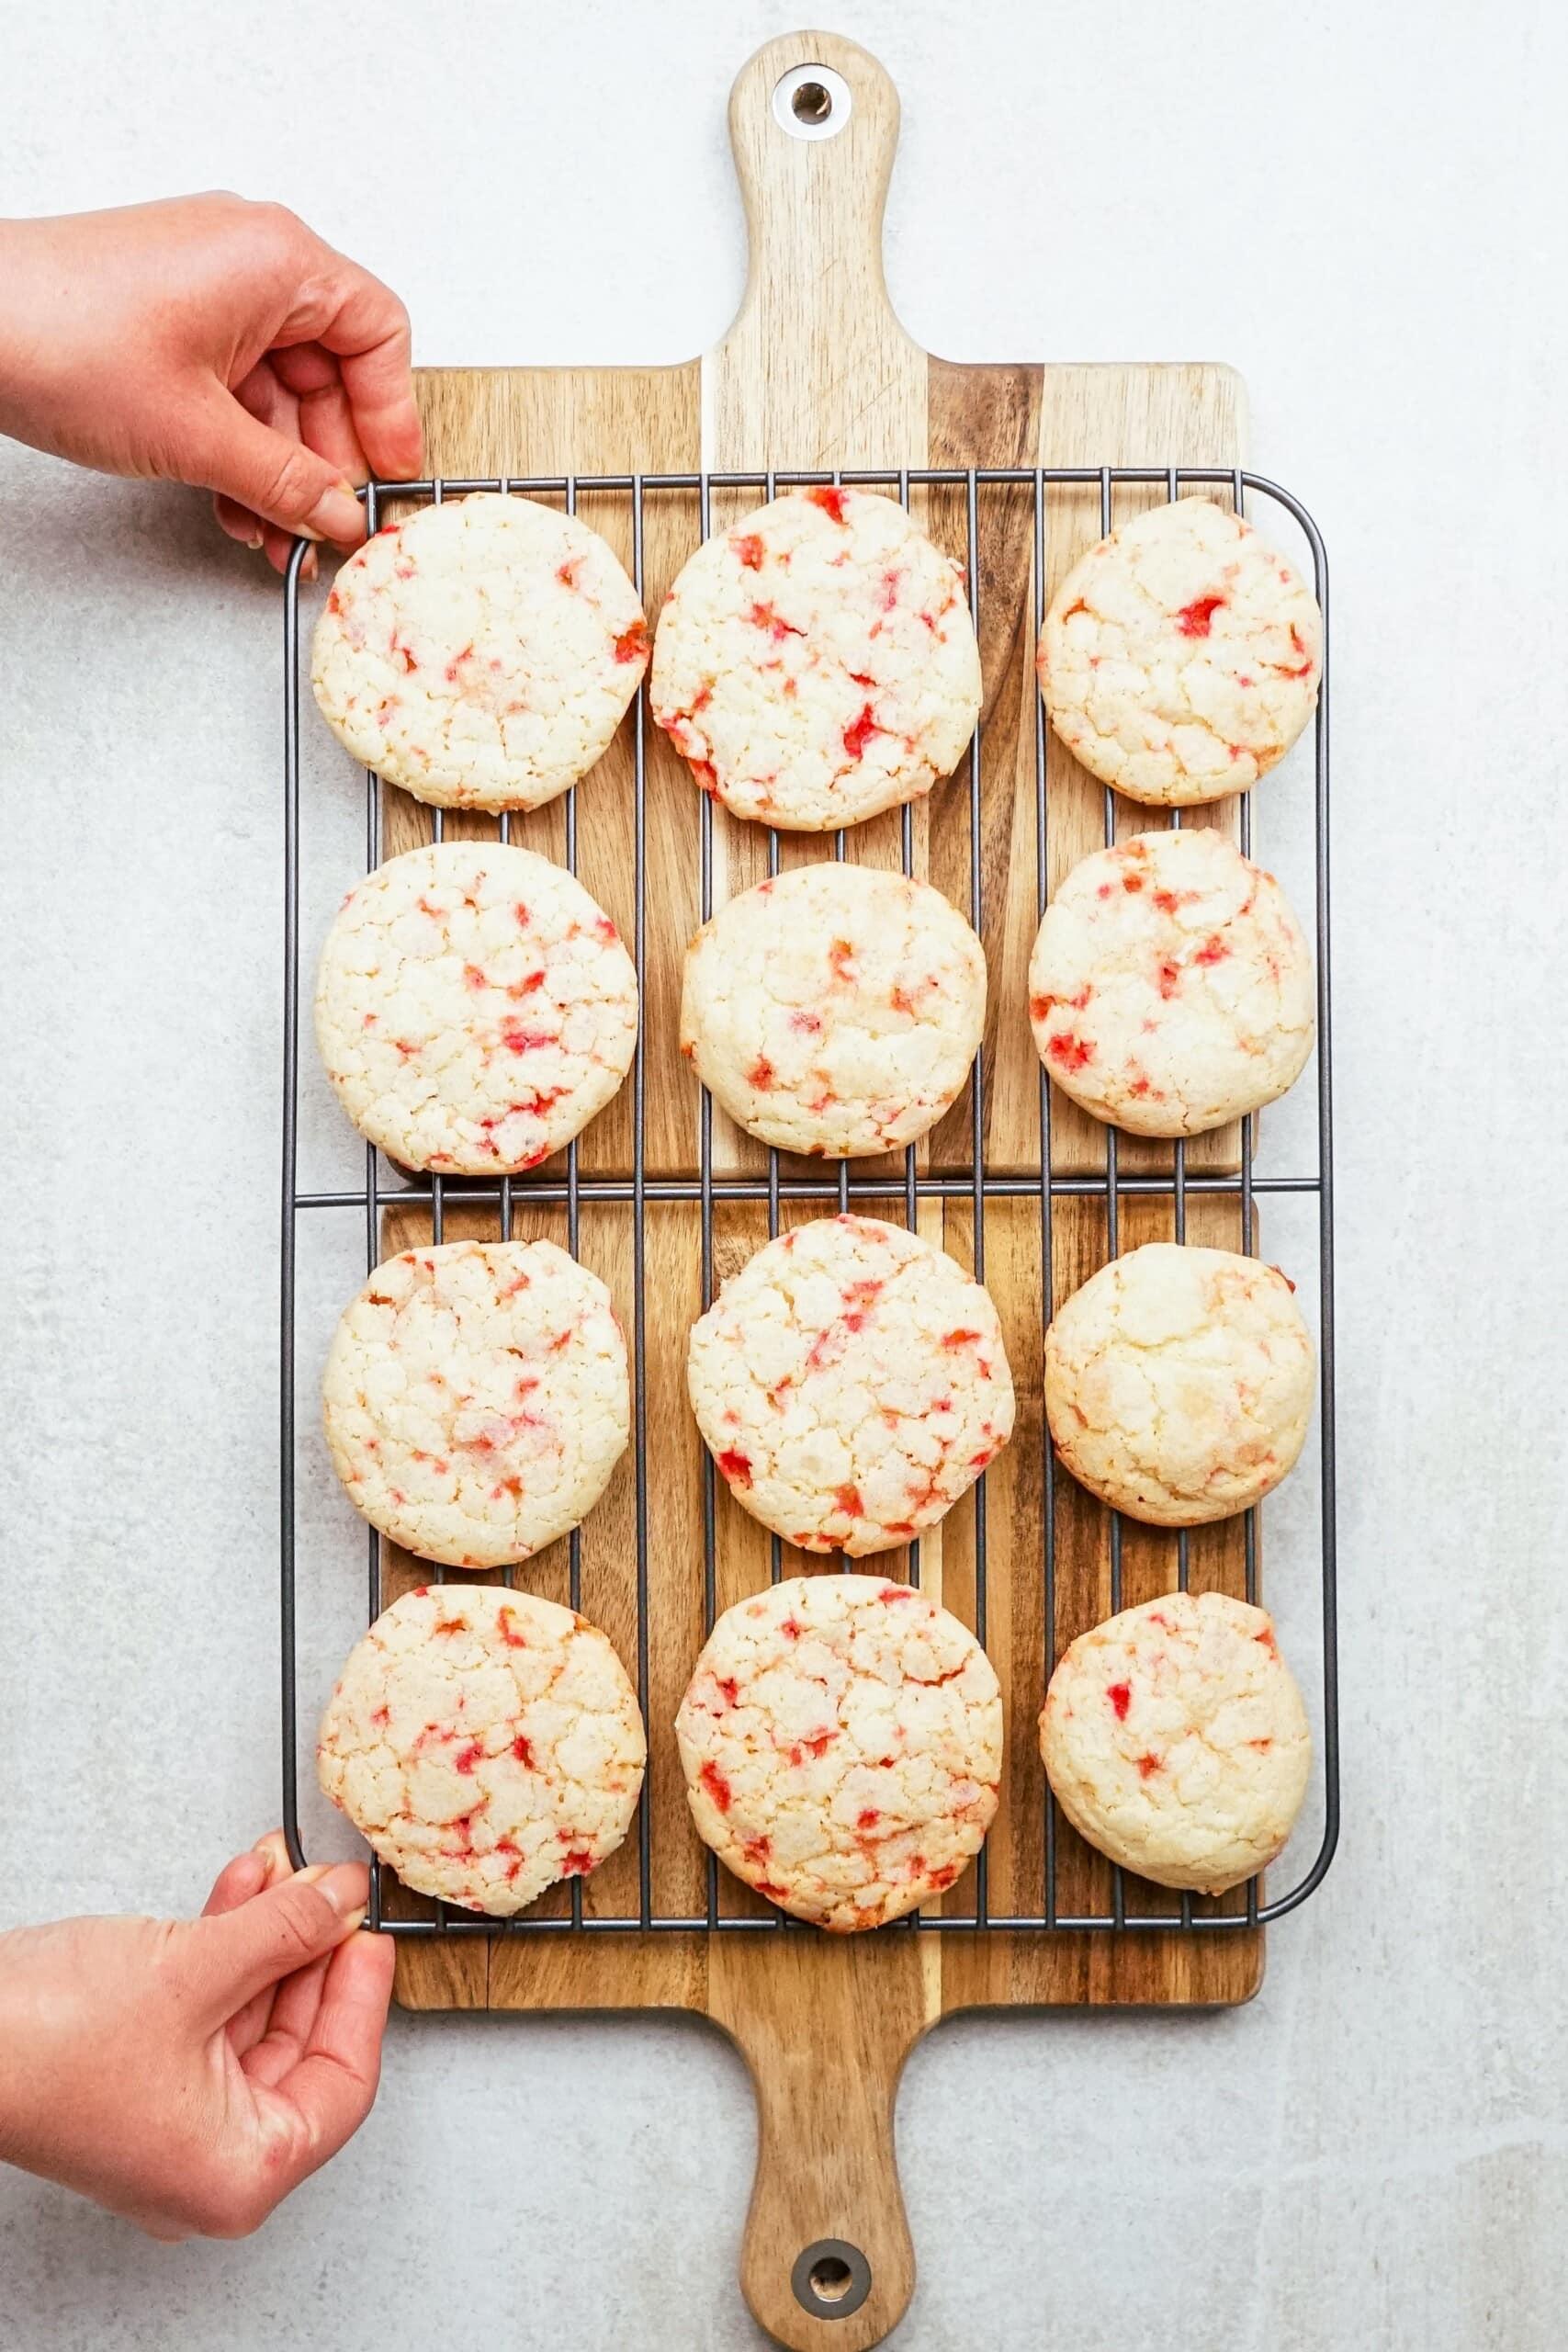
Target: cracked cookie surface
{"x":474,"y":1007}
{"x":479,"y":653}
{"x":486,"y":1743}
{"x":850,"y":1383}
{"x":1170,"y":987}
{"x":1179,"y":658}
{"x":817,"y":663}
{"x":1179,"y":1382}
{"x":842,"y":1740}
{"x":1176,"y":1741}
{"x":835,"y":1010}
{"x":476,"y":1399}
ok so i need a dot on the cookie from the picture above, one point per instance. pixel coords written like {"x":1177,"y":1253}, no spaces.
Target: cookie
{"x":486,"y":1743}
{"x":817,"y":663}
{"x":842,"y":1740}
{"x":1178,"y":1383}
{"x":835,"y":1010}
{"x":476,"y":1399}
{"x":1179,"y":658}
{"x":1176,"y":1741}
{"x":474,"y":1008}
{"x":481,"y":653}
{"x":1170,"y":987}
{"x":850,"y":1383}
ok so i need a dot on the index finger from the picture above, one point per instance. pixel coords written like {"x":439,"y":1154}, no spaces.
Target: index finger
{"x":333,"y":2086}
{"x":364,"y":325}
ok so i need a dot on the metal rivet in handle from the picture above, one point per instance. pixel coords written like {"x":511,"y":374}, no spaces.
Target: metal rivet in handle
{"x":812,"y":102}
{"x":830,"y":2278}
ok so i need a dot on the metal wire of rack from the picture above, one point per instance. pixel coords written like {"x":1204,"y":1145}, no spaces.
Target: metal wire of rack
{"x":977,"y":1185}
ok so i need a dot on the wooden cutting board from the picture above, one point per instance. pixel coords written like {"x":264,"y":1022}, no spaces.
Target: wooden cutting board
{"x":817,"y":372}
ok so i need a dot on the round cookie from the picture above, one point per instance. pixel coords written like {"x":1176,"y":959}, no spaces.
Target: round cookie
{"x":835,"y":1010}
{"x":474,"y":1007}
{"x":1179,"y":658}
{"x":486,"y":1743}
{"x":476,"y":1399}
{"x":1176,"y":1741}
{"x":817,"y":663}
{"x":481,"y":654}
{"x":1170,"y":987}
{"x":842,"y":1740}
{"x":850,"y":1383}
{"x":1178,"y":1383}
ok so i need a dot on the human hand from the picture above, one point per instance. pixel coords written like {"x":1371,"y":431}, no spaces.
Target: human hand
{"x":188,"y":2074}
{"x":211,"y":341}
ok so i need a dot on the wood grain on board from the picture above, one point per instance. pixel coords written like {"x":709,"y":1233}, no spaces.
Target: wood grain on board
{"x":817,"y":372}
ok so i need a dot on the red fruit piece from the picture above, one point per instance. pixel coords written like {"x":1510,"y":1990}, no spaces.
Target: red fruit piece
{"x":1193,"y":619}
{"x":1120,"y":1697}
{"x":858,"y":736}
{"x":713,"y":1781}
{"x":1069,"y":1052}
{"x":737,"y":1467}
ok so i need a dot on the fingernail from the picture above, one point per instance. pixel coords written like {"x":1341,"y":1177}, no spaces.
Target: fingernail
{"x":344,"y":1886}
{"x":267,"y":1851}
{"x":337,"y":516}
{"x":255,"y":540}
{"x":312,"y":1874}
{"x":356,"y":1919}
{"x":309,"y":567}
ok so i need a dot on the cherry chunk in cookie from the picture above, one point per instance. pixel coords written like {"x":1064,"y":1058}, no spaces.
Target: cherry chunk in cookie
{"x":817,"y":663}
{"x":842,"y":1741}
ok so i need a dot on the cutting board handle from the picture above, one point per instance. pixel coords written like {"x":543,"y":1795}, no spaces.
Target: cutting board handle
{"x":827,"y":2259}
{"x":816,"y":369}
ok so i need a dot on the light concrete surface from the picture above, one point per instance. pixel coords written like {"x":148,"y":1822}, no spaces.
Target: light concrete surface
{"x":1363,"y":207}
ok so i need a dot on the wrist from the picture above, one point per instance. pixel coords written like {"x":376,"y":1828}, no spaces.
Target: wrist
{"x":35,"y":2000}
{"x":42,"y":313}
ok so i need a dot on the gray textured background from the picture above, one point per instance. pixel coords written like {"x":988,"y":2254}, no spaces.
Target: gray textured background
{"x":1370,"y":222}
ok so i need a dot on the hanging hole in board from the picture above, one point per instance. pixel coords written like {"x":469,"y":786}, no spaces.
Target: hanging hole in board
{"x":831,"y":2278}
{"x":812,"y":102}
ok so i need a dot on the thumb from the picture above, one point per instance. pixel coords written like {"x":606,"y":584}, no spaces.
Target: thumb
{"x":238,"y":1953}
{"x":278,"y":478}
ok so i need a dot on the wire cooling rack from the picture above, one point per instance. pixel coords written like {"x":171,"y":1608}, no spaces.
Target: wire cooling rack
{"x":974,"y":1184}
